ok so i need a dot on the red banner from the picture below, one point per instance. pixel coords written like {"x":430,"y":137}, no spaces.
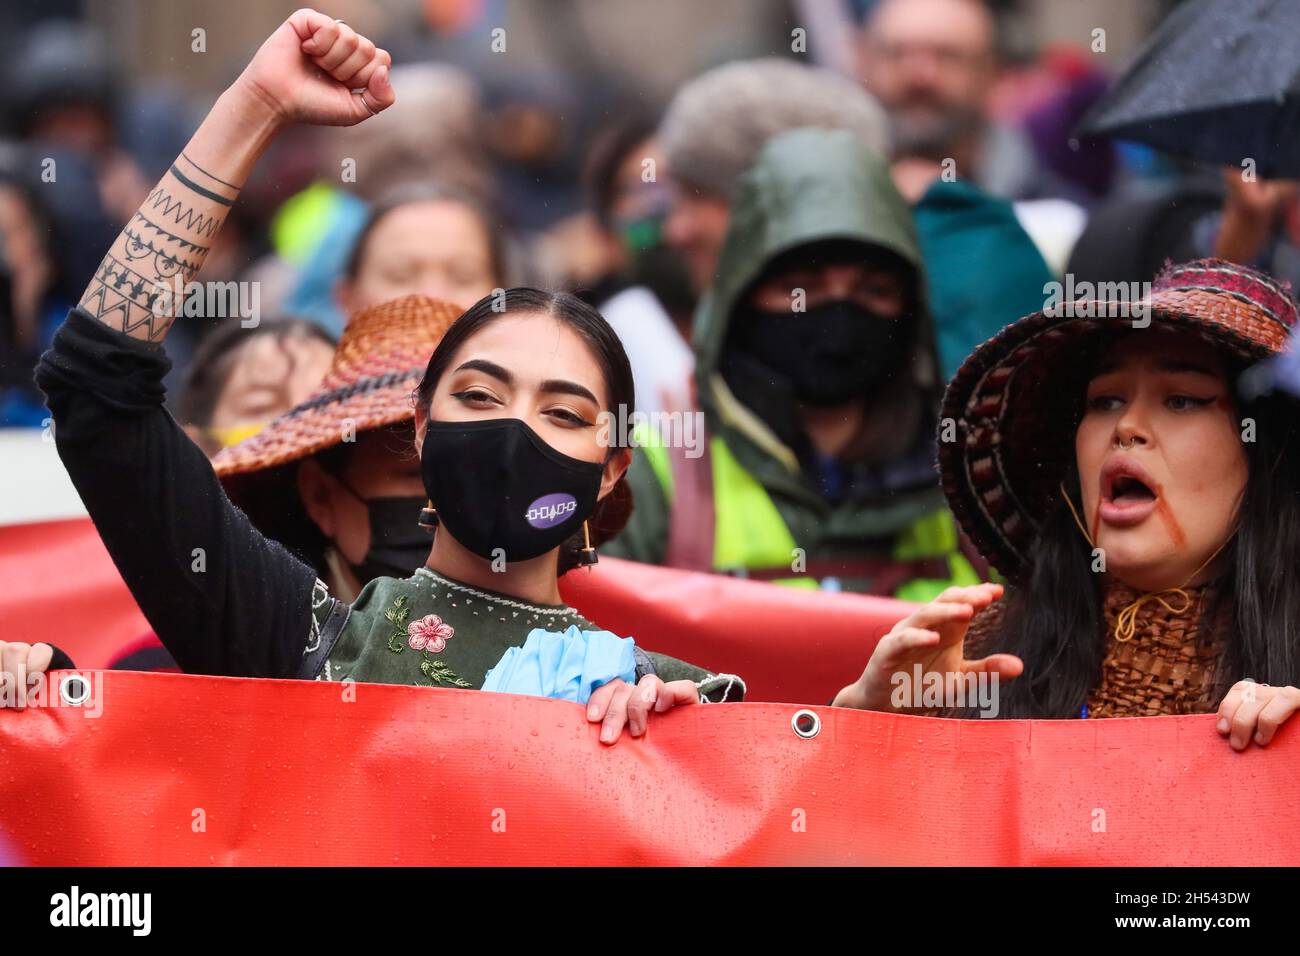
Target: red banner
{"x":789,"y":645}
{"x":61,"y":587}
{"x":171,"y":769}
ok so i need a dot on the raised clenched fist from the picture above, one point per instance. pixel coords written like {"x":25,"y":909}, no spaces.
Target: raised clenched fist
{"x":316,"y":70}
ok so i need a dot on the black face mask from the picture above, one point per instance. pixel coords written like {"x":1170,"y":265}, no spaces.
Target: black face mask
{"x":830,"y":354}
{"x":398,"y":545}
{"x":497,"y":484}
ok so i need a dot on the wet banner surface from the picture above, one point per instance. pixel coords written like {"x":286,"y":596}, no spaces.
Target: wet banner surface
{"x":175,"y":769}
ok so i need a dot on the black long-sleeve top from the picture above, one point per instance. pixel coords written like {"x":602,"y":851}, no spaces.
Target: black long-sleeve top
{"x":223,"y":598}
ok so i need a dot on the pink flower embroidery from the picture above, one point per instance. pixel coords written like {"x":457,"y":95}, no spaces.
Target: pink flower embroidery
{"x":428,"y":633}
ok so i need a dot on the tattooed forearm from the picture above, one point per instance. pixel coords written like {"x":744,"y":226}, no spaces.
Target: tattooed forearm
{"x":196,"y":166}
{"x":182,"y":210}
{"x":130,"y":301}
{"x":141,"y":283}
{"x":167,"y":262}
{"x":180,"y":241}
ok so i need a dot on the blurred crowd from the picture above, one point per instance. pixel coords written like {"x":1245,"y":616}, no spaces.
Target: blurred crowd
{"x":918,"y":181}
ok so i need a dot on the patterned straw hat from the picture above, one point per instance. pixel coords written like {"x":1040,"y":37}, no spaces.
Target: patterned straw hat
{"x":1016,"y":398}
{"x":380,"y":360}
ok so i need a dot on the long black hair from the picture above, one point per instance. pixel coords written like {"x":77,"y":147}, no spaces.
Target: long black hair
{"x":612,"y":512}
{"x":1054,"y":620}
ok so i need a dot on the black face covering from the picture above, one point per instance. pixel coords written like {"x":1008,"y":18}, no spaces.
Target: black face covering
{"x":497,"y":484}
{"x":398,"y":545}
{"x":830,"y":354}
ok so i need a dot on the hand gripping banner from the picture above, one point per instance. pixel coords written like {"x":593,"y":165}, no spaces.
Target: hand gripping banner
{"x":166,"y":769}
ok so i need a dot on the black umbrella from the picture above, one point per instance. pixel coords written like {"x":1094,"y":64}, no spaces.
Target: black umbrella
{"x":1218,"y":81}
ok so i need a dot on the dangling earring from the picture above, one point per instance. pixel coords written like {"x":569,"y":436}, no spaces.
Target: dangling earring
{"x":428,"y":517}
{"x":587,"y":554}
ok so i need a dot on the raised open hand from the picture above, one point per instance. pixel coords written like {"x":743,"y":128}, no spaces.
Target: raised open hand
{"x":932,"y":636}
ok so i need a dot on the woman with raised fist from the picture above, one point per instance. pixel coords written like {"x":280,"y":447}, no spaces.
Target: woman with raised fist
{"x":521,"y":483}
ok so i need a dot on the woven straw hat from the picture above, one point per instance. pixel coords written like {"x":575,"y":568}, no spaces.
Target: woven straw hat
{"x":1015,"y":400}
{"x":380,"y":360}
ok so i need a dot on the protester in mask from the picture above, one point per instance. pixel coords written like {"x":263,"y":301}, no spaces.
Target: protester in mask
{"x":335,"y":479}
{"x":422,"y":237}
{"x":242,"y":378}
{"x":644,"y":291}
{"x":815,"y":370}
{"x":1146,"y":515}
{"x":505,"y":431}
{"x":716,"y":125}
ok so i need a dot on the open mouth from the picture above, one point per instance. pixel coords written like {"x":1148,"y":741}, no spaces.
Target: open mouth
{"x":1128,"y":489}
{"x":1128,"y":493}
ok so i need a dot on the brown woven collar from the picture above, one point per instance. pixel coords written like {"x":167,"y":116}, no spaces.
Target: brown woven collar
{"x":1169,"y":665}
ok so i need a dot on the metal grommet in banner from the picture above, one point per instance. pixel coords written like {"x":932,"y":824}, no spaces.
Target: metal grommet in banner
{"x":806,"y":724}
{"x":74,"y":690}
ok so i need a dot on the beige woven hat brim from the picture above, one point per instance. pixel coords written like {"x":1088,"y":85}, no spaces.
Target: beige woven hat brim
{"x":304,"y":431}
{"x":380,"y":360}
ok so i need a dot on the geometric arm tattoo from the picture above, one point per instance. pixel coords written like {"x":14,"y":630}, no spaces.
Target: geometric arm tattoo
{"x":140,"y":284}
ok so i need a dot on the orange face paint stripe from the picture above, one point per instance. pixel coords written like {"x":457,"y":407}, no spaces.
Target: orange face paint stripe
{"x":1170,"y":521}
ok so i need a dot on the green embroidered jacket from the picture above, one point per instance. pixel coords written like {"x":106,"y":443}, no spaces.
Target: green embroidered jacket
{"x":432,"y":630}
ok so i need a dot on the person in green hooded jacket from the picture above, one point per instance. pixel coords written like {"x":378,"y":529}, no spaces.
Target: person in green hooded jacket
{"x":817,"y":379}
